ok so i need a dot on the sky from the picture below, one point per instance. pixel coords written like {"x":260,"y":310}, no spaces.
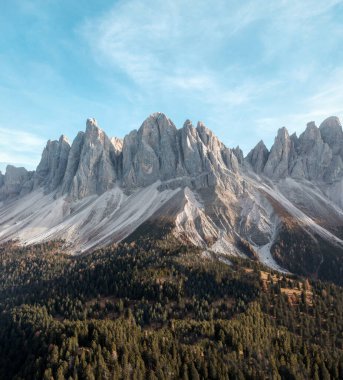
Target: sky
{"x":244,"y":68}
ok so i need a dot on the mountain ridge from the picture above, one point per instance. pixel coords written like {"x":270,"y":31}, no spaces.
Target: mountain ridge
{"x":328,"y":134}
{"x":98,"y":190}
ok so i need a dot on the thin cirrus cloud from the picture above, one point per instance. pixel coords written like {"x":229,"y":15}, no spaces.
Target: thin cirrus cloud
{"x":327,"y":101}
{"x":245,"y":68}
{"x":166,"y":44}
{"x":180,"y":52}
{"x":227,"y":59}
{"x":19,"y":148}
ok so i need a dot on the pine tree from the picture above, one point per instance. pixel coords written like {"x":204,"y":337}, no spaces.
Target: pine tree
{"x":194,"y":375}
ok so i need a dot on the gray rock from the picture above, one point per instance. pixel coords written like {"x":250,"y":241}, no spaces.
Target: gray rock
{"x":332,"y":134}
{"x":313,"y":155}
{"x":191,"y":150}
{"x":239,"y":155}
{"x":215,"y":156}
{"x":334,"y":171}
{"x":258,"y":157}
{"x":118,"y":144}
{"x":223,"y":203}
{"x":73,"y":163}
{"x":16,"y":182}
{"x":52,"y":167}
{"x":151,"y":152}
{"x":316,"y":155}
{"x":230,"y":158}
{"x":158,"y":151}
{"x":277,"y":165}
{"x":92,"y":165}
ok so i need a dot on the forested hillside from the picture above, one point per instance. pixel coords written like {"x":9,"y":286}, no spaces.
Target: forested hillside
{"x":162,"y":311}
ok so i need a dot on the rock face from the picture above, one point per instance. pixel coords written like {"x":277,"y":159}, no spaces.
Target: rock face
{"x":317,"y":155}
{"x":92,"y":164}
{"x":313,"y":155}
{"x":331,"y":133}
{"x":281,"y":154}
{"x":73,"y":163}
{"x":158,"y":151}
{"x":150,"y":153}
{"x":16,"y":182}
{"x":100,"y":190}
{"x":239,"y":155}
{"x":51,"y":169}
{"x":258,"y":157}
{"x":118,"y":144}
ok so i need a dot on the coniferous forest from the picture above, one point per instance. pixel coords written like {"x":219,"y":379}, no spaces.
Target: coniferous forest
{"x":156,"y":309}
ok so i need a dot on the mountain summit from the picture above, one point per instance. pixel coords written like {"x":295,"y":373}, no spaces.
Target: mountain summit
{"x":283,"y":207}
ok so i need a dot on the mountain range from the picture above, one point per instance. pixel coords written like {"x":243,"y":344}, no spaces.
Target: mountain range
{"x":283,"y":206}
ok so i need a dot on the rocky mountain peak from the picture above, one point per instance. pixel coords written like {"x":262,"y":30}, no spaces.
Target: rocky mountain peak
{"x":313,"y":155}
{"x":94,"y":133}
{"x":156,"y":151}
{"x":51,"y":169}
{"x":189,"y":130}
{"x":117,"y":143}
{"x":310,"y":136}
{"x":332,"y":134}
{"x":92,"y":166}
{"x":206,"y":134}
{"x":311,"y":124}
{"x":187,"y":176}
{"x":261,"y":145}
{"x":258,"y":157}
{"x":311,"y":132}
{"x":64,"y":138}
{"x":91,"y":123}
{"x":294,"y":137}
{"x":311,"y":128}
{"x":277,"y":165}
{"x":15,"y":182}
{"x":282,"y":134}
{"x":239,"y":154}
{"x":316,"y":155}
{"x":202,"y":127}
{"x":157,"y":123}
{"x":332,"y":122}
{"x":150,"y":153}
{"x":187,"y":124}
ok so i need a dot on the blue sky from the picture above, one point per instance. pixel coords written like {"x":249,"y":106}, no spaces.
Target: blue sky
{"x":245,"y":68}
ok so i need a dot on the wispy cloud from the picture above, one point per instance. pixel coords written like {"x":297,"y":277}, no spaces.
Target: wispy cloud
{"x":245,"y":68}
{"x":153,"y":42}
{"x":180,"y":52}
{"x":19,"y":147}
{"x":327,"y":100}
{"x":172,"y":46}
